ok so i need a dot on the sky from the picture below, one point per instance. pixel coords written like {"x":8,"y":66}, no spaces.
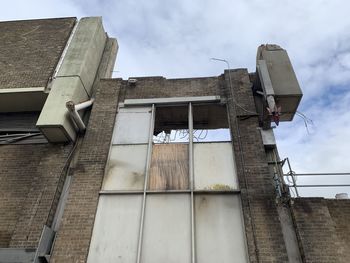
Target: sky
{"x":176,"y":39}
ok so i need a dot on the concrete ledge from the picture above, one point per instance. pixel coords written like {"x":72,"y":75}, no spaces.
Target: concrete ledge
{"x":22,"y":99}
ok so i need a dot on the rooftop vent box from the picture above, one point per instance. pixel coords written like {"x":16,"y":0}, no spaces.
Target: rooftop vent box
{"x":277,"y":78}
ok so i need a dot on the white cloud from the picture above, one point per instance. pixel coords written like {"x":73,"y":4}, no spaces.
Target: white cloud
{"x":177,"y":38}
{"x":35,"y":9}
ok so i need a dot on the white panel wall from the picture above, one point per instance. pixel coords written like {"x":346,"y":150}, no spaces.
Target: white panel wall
{"x":219,"y":229}
{"x":116,"y":229}
{"x":126,"y":168}
{"x":214,"y":167}
{"x":132,"y":125}
{"x":167,"y":232}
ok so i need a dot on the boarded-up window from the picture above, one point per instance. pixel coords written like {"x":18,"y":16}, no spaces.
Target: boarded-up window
{"x":169,"y":167}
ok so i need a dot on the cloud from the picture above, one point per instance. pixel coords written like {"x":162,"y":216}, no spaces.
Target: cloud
{"x":177,"y":38}
{"x":35,"y":9}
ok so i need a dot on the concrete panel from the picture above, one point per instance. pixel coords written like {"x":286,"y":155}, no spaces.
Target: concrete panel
{"x":108,"y":59}
{"x":268,"y":138}
{"x":219,"y":229}
{"x":116,"y":229}
{"x":167,"y":232}
{"x":14,"y":255}
{"x":55,"y":114}
{"x":126,"y":168}
{"x":214,"y":167}
{"x":289,"y":235}
{"x":85,"y":51}
{"x":132,"y":126}
{"x":22,"y":99}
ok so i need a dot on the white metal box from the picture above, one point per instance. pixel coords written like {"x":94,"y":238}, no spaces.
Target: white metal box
{"x":286,"y":88}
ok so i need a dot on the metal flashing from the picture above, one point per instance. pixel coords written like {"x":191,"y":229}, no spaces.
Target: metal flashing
{"x":175,"y":100}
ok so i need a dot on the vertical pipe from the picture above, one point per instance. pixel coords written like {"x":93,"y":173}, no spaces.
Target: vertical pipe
{"x":293,"y":179}
{"x":148,"y":165}
{"x":190,"y":126}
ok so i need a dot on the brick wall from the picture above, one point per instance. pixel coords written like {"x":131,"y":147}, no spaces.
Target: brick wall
{"x":339,"y":210}
{"x":263,"y":229}
{"x":30,"y":50}
{"x":264,"y":234}
{"x":73,"y":239}
{"x":29,"y":190}
{"x":323,"y":229}
{"x":159,"y":87}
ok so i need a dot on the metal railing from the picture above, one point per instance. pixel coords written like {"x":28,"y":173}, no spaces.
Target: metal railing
{"x":290,"y":179}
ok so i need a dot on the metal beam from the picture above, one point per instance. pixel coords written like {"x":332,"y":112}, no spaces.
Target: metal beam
{"x":173,"y":100}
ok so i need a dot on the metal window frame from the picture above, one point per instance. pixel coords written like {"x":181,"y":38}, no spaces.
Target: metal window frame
{"x":154,"y":103}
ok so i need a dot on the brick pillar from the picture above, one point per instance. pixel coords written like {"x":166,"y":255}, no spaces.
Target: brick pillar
{"x":262,"y":226}
{"x":73,"y":239}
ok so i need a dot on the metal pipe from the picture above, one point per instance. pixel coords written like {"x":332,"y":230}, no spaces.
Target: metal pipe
{"x":73,"y":112}
{"x":292,"y":174}
{"x":323,"y":185}
{"x":199,"y":191}
{"x":318,"y":174}
{"x":148,"y":166}
{"x":190,"y":128}
{"x":84,"y":104}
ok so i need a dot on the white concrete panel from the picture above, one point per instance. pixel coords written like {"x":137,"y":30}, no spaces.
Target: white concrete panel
{"x":132,"y":125}
{"x":214,"y":167}
{"x":126,"y":168}
{"x":84,"y":52}
{"x":219,"y":229}
{"x":116,"y":229}
{"x":167,"y":232}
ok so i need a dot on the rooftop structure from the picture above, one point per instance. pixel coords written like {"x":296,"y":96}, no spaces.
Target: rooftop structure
{"x":148,"y":169}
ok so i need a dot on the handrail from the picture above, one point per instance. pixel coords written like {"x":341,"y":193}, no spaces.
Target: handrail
{"x":293,"y":184}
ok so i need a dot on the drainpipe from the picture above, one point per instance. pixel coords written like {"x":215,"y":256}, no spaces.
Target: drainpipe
{"x":73,"y":112}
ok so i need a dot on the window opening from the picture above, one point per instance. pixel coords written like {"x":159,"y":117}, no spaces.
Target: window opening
{"x":170,"y":157}
{"x":210,"y":123}
{"x":171,"y":125}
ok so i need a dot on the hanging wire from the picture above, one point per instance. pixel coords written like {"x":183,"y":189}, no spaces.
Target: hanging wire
{"x":229,"y":76}
{"x":307,"y":121}
{"x":180,"y":135}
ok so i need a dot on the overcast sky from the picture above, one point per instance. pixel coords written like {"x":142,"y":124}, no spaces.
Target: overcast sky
{"x":176,"y":39}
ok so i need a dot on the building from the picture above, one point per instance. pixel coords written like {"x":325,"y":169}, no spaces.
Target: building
{"x":148,"y":169}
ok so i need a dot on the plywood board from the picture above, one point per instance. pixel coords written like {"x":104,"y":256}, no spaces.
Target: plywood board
{"x":169,"y":167}
{"x":219,"y":229}
{"x":214,"y":167}
{"x":167,"y":230}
